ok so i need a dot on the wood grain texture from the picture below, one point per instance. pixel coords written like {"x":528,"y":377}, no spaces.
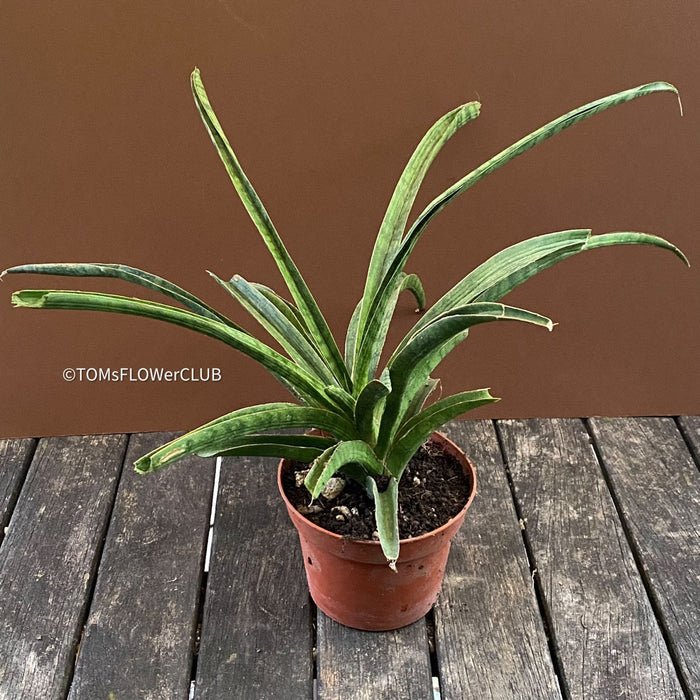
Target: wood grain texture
{"x":256,"y":632}
{"x":690,"y":426}
{"x":604,"y":628}
{"x":357,"y":665}
{"x":48,"y":560}
{"x":15,"y":456}
{"x":140,"y":633}
{"x":657,"y":486}
{"x":490,"y":638}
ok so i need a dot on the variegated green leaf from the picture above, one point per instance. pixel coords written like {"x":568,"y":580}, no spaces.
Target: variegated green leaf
{"x":386,"y":510}
{"x":410,"y":367}
{"x":305,"y":384}
{"x":381,"y":301}
{"x":284,"y":306}
{"x":509,"y":268}
{"x":128,"y":274}
{"x":368,"y":402}
{"x":370,"y":350}
{"x":420,"y":398}
{"x":229,"y":431}
{"x":331,"y":461}
{"x":394,"y":223}
{"x":304,"y":448}
{"x":417,"y":430}
{"x":313,"y":319}
{"x":293,"y":341}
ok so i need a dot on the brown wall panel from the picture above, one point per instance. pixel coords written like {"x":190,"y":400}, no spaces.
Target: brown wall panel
{"x":104,"y":158}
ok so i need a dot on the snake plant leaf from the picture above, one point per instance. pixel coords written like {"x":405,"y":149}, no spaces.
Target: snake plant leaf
{"x":386,"y":512}
{"x":410,"y":367}
{"x":129,"y":274}
{"x":381,"y":300}
{"x":417,"y":430}
{"x":342,"y":399}
{"x":276,"y":323}
{"x":284,"y":306}
{"x":370,"y":350}
{"x":368,"y":403}
{"x":509,"y":268}
{"x":304,"y":384}
{"x":304,"y":448}
{"x":226,"y":433}
{"x":336,"y":457}
{"x":394,"y":222}
{"x":351,"y":337}
{"x":313,"y":318}
{"x":418,"y":401}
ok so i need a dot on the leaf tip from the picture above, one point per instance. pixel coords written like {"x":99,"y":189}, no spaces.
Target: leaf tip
{"x":392,"y":565}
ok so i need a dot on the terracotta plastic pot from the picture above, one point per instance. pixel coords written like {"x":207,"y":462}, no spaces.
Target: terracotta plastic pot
{"x":350,"y":580}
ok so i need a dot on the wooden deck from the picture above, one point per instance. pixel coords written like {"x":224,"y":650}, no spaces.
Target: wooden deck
{"x":576,"y":575}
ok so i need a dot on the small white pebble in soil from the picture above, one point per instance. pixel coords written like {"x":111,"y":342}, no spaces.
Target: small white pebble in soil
{"x":416,"y":481}
{"x":300,"y":476}
{"x":333,"y":488}
{"x":341,"y":512}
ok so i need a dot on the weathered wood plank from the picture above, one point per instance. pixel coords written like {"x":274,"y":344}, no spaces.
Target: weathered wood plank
{"x":139,"y":637}
{"x":690,"y":425}
{"x":357,"y":665}
{"x":603,"y":625}
{"x":48,"y":560}
{"x":490,"y":640}
{"x":15,"y":456}
{"x":657,"y":487}
{"x":256,"y":632}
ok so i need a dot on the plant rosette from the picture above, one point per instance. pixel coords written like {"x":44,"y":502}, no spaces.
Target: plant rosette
{"x":373,"y":420}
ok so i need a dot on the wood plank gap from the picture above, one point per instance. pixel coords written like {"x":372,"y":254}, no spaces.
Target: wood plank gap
{"x":16,"y":488}
{"x":542,"y":606}
{"x":201,"y":600}
{"x":689,"y":442}
{"x":638,"y":561}
{"x":430,"y":631}
{"x":95,"y":568}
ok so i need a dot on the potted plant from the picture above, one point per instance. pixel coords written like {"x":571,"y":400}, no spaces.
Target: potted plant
{"x":367,"y":427}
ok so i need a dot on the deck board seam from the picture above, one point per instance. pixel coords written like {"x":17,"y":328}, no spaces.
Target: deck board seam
{"x":639,"y":564}
{"x":13,"y":502}
{"x":545,"y":613}
{"x":95,"y":568}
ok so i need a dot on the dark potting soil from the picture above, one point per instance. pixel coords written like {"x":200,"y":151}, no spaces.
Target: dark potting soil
{"x":432,"y":490}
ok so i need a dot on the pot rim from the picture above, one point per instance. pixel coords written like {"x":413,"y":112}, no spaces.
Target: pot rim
{"x":441,"y":438}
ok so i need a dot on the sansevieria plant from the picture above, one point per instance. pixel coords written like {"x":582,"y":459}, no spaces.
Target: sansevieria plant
{"x":372,"y":421}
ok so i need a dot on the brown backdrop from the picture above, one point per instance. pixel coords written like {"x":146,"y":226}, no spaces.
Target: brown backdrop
{"x":104,"y":158}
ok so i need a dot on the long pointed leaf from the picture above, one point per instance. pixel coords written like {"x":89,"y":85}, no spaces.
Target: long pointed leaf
{"x":305,"y":384}
{"x":303,"y":448}
{"x":410,"y":367}
{"x":278,"y":326}
{"x":300,"y":292}
{"x":382,"y":299}
{"x":509,"y":268}
{"x":366,"y":408}
{"x":370,"y":350}
{"x":351,"y":337}
{"x":129,"y":274}
{"x":394,"y":223}
{"x":416,"y":431}
{"x":227,"y":433}
{"x":284,"y":306}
